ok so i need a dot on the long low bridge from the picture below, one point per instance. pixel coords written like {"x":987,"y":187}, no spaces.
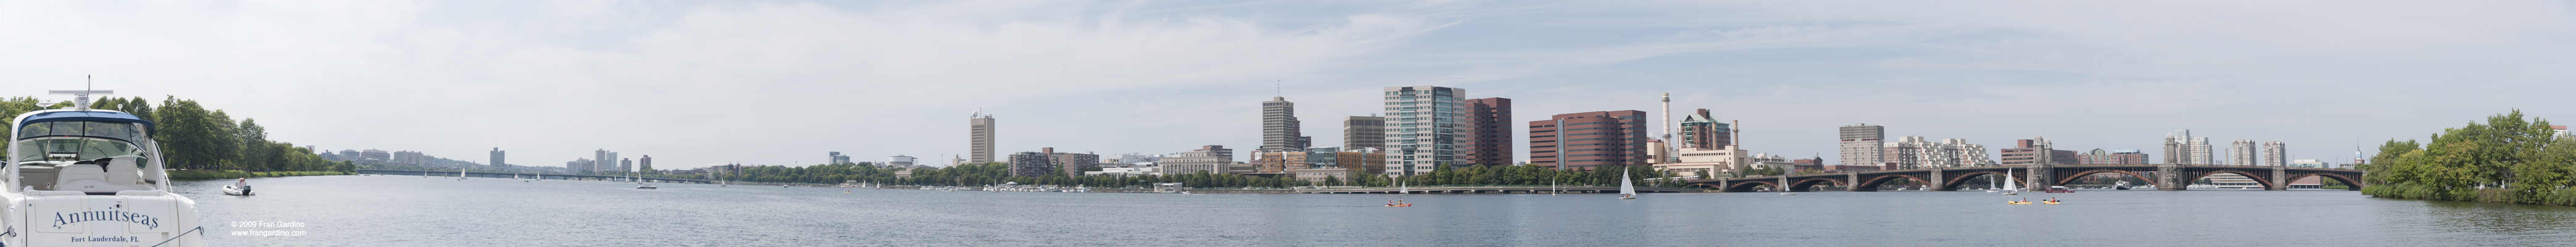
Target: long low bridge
{"x":2164,"y":177}
{"x":1489,"y":189}
{"x":523,"y":175}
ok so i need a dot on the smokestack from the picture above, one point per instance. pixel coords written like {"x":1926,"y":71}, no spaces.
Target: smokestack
{"x":1667,"y":149}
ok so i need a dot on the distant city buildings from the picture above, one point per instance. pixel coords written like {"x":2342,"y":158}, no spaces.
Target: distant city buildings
{"x":979,"y":139}
{"x":836,"y":158}
{"x":625,"y":165}
{"x":898,"y":161}
{"x":1424,"y":125}
{"x":2242,"y":153}
{"x":2309,"y":163}
{"x":603,"y":161}
{"x":1861,"y":145}
{"x":644,"y":164}
{"x":1364,"y":132}
{"x":1032,"y":164}
{"x":2113,"y":157}
{"x":2178,"y":149}
{"x":1590,"y":139}
{"x":1487,"y":136}
{"x":499,"y":158}
{"x":1280,"y":129}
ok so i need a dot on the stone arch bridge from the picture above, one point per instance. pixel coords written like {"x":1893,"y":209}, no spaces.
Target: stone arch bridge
{"x":2164,"y":177}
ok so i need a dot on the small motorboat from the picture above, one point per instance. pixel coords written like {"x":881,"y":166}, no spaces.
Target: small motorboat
{"x":1788,"y":194}
{"x":647,"y":187}
{"x":238,"y":188}
{"x":2059,"y":189}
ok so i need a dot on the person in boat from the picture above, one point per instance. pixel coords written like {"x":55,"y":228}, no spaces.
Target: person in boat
{"x":1390,"y":203}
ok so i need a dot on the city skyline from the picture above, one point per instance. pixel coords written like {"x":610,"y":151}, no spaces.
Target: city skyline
{"x":876,"y":80}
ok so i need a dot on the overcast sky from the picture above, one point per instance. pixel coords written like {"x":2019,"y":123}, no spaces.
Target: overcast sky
{"x":697,"y":83}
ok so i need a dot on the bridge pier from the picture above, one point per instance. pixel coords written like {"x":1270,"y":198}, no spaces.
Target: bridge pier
{"x":2040,"y":176}
{"x":2279,"y":175}
{"x":2169,"y":177}
{"x":1935,"y":184}
{"x":1851,"y":182}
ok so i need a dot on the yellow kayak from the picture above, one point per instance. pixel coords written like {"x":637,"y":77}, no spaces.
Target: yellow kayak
{"x":2050,"y":202}
{"x":2015,"y":203}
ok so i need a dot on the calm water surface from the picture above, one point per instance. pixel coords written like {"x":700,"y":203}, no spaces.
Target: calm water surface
{"x":416,"y":211}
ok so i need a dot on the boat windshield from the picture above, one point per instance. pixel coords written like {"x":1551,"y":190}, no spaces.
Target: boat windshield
{"x":78,"y":140}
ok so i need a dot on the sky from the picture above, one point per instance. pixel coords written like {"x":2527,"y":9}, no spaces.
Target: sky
{"x":699,"y":83}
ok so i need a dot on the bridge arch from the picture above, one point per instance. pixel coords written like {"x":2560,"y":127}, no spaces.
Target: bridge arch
{"x":1872,"y":183}
{"x":2264,"y":180}
{"x":2349,"y":182}
{"x":1809,"y":183}
{"x":2071,"y":177}
{"x":1962,"y":178}
{"x":1748,"y":185}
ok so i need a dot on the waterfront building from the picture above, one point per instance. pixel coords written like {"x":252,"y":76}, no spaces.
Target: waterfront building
{"x":1861,"y":145}
{"x":2113,"y":157}
{"x":1914,"y":152}
{"x":1071,"y":164}
{"x":497,"y":158}
{"x":2232,"y":181}
{"x":1424,"y":125}
{"x":1364,"y":132}
{"x":1589,"y":139}
{"x":1724,"y":161}
{"x":377,"y":156}
{"x":2275,"y":154}
{"x":1487,"y":136}
{"x":1033,"y":164}
{"x":579,"y":165}
{"x":625,"y":165}
{"x":644,"y":164}
{"x":836,"y":158}
{"x":1317,"y":164}
{"x":1700,"y":131}
{"x":2560,"y":129}
{"x":979,"y":139}
{"x":1213,"y":159}
{"x":1280,"y":129}
{"x":2242,"y":153}
{"x":2025,"y":152}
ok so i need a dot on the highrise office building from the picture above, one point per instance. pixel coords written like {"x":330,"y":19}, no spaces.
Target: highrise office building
{"x":645,"y":163}
{"x":1861,"y":145}
{"x":1280,"y":129}
{"x":497,"y":158}
{"x":1488,"y":133}
{"x":979,"y":140}
{"x":2274,"y":154}
{"x":1424,"y":125}
{"x":2178,"y":149}
{"x":625,"y":165}
{"x":2200,"y":152}
{"x":1701,"y":131}
{"x":2242,"y":153}
{"x":837,"y":158}
{"x":603,"y":161}
{"x":1364,"y":132}
{"x":1588,"y":140}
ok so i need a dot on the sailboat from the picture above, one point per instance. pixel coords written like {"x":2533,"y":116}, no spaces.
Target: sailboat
{"x":2009,"y":189}
{"x":1627,"y":190}
{"x":460,"y":174}
{"x":1400,"y":191}
{"x":1990,"y":185}
{"x":631,"y":176}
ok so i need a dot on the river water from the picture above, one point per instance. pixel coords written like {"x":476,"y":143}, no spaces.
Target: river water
{"x":417,"y":211}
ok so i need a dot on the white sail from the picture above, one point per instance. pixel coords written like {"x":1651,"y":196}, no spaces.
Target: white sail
{"x":1626,"y":188}
{"x":2008,"y":182}
{"x":1400,"y":189}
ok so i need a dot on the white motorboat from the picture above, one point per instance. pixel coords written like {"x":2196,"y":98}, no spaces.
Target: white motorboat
{"x":238,"y":188}
{"x":81,"y":176}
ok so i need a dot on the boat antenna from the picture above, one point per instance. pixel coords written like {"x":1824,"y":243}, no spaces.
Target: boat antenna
{"x":80,"y":97}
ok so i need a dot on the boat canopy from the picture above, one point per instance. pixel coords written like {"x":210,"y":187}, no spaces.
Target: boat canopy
{"x":85,"y":116}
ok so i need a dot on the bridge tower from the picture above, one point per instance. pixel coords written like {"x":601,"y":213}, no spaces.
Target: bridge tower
{"x":2042,"y":168}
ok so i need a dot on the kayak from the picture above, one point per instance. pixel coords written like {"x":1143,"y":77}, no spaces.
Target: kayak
{"x":2050,"y":202}
{"x":2015,"y":203}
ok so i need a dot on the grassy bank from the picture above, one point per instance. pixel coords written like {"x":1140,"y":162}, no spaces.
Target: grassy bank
{"x":230,"y":174}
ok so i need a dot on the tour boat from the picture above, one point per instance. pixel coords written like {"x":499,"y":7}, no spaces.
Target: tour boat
{"x":91,"y":177}
{"x":238,"y":188}
{"x":2059,"y":189}
{"x":1626,"y":190}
